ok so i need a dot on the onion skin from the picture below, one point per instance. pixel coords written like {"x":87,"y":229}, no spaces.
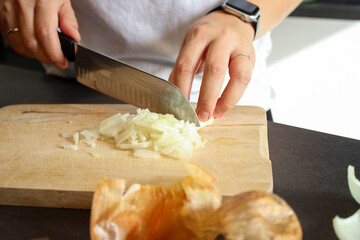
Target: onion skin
{"x":151,"y":212}
{"x":190,"y":209}
{"x":258,"y":215}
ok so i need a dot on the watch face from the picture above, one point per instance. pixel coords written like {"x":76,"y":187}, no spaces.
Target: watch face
{"x":244,"y":6}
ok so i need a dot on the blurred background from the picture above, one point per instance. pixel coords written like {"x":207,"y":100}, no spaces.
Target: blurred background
{"x":314,"y":67}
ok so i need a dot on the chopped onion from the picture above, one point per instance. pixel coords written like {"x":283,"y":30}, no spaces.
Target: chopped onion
{"x":92,"y":144}
{"x":70,"y":146}
{"x":94,"y":154}
{"x":76,"y":137}
{"x":161,"y":133}
{"x":207,"y":123}
{"x":91,"y":133}
{"x":354,"y":184}
{"x":148,"y":134}
{"x":347,"y":228}
{"x":112,"y":125}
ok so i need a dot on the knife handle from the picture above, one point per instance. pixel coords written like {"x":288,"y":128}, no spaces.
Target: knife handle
{"x":68,"y":46}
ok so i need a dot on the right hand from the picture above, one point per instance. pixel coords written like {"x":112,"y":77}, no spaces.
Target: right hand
{"x":38,"y":21}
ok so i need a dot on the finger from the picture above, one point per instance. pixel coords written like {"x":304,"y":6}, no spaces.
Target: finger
{"x":200,"y":69}
{"x":240,"y":69}
{"x":68,"y":23}
{"x":216,"y":64}
{"x":10,"y":21}
{"x":187,"y":63}
{"x":201,"y":66}
{"x":46,"y":24}
{"x":6,"y":12}
{"x":26,"y":24}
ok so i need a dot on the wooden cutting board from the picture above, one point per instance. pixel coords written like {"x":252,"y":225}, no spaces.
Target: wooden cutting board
{"x":35,"y":171}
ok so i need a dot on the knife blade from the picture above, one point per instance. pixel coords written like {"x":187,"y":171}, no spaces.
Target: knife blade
{"x":126,"y":83}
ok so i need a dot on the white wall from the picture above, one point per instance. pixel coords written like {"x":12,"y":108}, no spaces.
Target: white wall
{"x":315,"y":71}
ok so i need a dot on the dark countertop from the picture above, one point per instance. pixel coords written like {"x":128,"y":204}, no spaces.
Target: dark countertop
{"x":336,"y":9}
{"x":309,"y":168}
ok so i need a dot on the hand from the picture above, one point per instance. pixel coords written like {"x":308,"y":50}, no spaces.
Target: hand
{"x":38,"y":21}
{"x":213,"y":44}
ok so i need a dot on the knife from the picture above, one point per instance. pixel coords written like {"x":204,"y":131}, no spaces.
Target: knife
{"x":126,"y":83}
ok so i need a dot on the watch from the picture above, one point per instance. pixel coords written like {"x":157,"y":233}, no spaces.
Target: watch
{"x":246,"y":11}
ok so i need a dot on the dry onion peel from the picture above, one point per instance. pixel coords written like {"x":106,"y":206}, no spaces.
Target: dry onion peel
{"x":151,"y":212}
{"x":258,"y":215}
{"x":189,"y":209}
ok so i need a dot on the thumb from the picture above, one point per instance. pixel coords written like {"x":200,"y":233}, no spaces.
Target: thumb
{"x":68,"y":23}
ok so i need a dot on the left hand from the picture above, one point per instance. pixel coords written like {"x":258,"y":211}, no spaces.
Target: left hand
{"x":37,"y":22}
{"x":213,"y":44}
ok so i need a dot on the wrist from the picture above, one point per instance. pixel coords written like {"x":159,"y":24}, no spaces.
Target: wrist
{"x":250,"y":28}
{"x":242,"y":9}
{"x":246,"y":28}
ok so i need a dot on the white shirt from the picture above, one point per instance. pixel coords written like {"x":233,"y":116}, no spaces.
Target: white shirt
{"x":148,"y":35}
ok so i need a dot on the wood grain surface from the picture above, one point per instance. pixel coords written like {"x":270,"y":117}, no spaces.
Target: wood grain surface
{"x":36,"y":171}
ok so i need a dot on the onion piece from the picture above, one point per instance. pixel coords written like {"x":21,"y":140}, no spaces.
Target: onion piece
{"x":76,"y":138}
{"x":207,"y":123}
{"x":70,"y":146}
{"x":91,"y":133}
{"x":347,"y":228}
{"x":112,"y":125}
{"x":354,"y":184}
{"x":94,"y":154}
{"x":124,"y":135}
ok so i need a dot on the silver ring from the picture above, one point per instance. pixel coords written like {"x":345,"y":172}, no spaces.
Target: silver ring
{"x":12,"y":30}
{"x":241,"y":54}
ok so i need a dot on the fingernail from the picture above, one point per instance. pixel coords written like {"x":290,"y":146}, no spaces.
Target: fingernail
{"x":218,"y":114}
{"x":203,"y":116}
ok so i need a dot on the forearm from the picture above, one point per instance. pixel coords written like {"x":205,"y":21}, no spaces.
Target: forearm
{"x":273,"y":12}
